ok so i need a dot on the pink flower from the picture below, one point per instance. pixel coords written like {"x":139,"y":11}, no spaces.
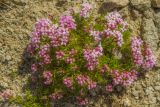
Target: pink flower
{"x":91,"y":56}
{"x":136,"y":44}
{"x":56,"y":96}
{"x":124,"y":78}
{"x":42,"y":26}
{"x":109,"y":88}
{"x":118,"y":38}
{"x":44,"y":54}
{"x":67,"y":21}
{"x":86,"y":7}
{"x":149,"y":59}
{"x":82,"y":101}
{"x":60,"y":54}
{"x":67,"y":82}
{"x":92,"y":85}
{"x":70,"y":60}
{"x":47,"y":75}
{"x":60,"y":37}
{"x":96,"y":35}
{"x":34,"y":68}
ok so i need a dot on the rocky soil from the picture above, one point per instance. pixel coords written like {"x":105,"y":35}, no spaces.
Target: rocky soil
{"x":18,"y":16}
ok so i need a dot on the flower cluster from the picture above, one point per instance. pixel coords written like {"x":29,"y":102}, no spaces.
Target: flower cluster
{"x":149,"y":60}
{"x":91,"y":56}
{"x":82,"y":64}
{"x":67,"y":21}
{"x":82,"y":101}
{"x":47,"y":75}
{"x":85,"y":10}
{"x":67,"y":82}
{"x":34,"y":68}
{"x":56,"y":95}
{"x":84,"y":80}
{"x":96,"y":35}
{"x":136,"y":44}
{"x":44,"y":54}
{"x":124,"y":78}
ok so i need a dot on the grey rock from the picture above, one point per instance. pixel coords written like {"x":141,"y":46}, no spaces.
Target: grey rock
{"x":141,"y":5}
{"x":156,"y":3}
{"x":20,"y":2}
{"x":149,"y":33}
{"x":117,"y":3}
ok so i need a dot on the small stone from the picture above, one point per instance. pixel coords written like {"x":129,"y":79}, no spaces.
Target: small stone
{"x":149,"y":90}
{"x":157,"y":88}
{"x":127,"y":102}
{"x":135,"y":93}
{"x":156,"y":3}
{"x":8,"y":58}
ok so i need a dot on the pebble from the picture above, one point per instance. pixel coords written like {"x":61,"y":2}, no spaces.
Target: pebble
{"x":8,"y":58}
{"x":157,"y":88}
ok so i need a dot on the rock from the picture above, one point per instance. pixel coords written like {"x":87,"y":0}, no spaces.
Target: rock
{"x":152,"y":99}
{"x":20,"y":2}
{"x":141,"y":5}
{"x":8,"y":58}
{"x":149,"y":14}
{"x":135,"y":94}
{"x":157,"y":88}
{"x":156,"y":3}
{"x":149,"y":91}
{"x":149,"y":33}
{"x":126,"y":102}
{"x":110,"y":5}
{"x":117,"y":3}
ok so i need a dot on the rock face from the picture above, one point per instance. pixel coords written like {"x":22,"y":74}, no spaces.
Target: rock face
{"x":156,"y":3}
{"x":141,"y":5}
{"x":149,"y":33}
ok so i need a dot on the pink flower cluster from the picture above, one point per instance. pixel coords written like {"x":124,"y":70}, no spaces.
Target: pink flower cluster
{"x":67,"y":21}
{"x":149,"y":60}
{"x":104,"y":69}
{"x":69,"y":59}
{"x":5,"y":94}
{"x":86,"y":7}
{"x":60,"y":54}
{"x":124,"y":78}
{"x":34,"y":67}
{"x":109,"y":88}
{"x":114,"y":19}
{"x":44,"y":54}
{"x":136,"y":45}
{"x":83,"y":80}
{"x":47,"y":75}
{"x":82,"y":101}
{"x":60,"y":37}
{"x":91,"y":57}
{"x":56,"y":96}
{"x":67,"y":82}
{"x":96,"y":35}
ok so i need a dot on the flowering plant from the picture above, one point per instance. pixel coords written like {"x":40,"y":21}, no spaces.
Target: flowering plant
{"x":77,"y":53}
